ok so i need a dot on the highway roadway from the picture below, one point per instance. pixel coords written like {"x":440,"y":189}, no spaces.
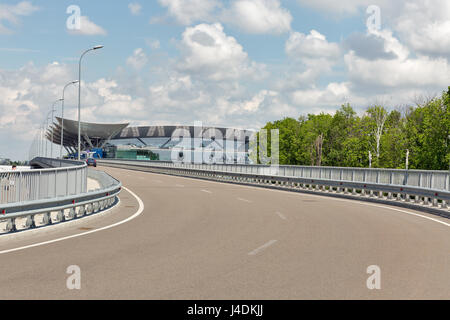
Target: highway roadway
{"x":182,"y":238}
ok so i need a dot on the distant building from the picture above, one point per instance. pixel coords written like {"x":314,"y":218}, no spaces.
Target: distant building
{"x":169,"y":143}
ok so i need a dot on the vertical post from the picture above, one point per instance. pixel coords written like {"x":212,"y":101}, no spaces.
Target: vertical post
{"x":56,"y":180}
{"x":20,"y":185}
{"x":51,"y":142}
{"x":62,"y":127}
{"x":407,"y":159}
{"x":79,"y":107}
{"x":79,"y":98}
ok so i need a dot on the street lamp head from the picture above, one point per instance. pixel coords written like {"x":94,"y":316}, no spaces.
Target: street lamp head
{"x":97,"y":47}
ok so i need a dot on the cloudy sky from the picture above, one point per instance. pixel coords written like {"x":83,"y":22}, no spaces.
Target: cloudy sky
{"x":234,"y":63}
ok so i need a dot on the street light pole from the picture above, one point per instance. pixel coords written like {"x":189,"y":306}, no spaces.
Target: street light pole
{"x":41,"y":148}
{"x":45,"y":133}
{"x":62,"y":117}
{"x":79,"y":98}
{"x":53,"y":113}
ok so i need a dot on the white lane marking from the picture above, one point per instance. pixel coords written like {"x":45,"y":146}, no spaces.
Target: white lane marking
{"x":282,"y":216}
{"x":263,"y":247}
{"x":179,"y":186}
{"x":138,"y":213}
{"x":206,"y":191}
{"x":287,"y":192}
{"x":244,"y":200}
{"x":404,"y":211}
{"x":158,"y":181}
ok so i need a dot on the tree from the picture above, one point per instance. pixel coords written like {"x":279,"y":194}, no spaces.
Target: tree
{"x":289,"y":130}
{"x":378,"y":115}
{"x":345,"y":139}
{"x":313,"y":131}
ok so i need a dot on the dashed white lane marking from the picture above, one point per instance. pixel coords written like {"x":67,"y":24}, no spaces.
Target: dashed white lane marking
{"x":244,"y":200}
{"x":263,"y":247}
{"x":205,"y":191}
{"x":138,"y":213}
{"x":282,"y":216}
{"x":179,"y":186}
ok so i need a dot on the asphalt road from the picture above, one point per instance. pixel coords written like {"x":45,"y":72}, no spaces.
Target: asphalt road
{"x":194,"y":239}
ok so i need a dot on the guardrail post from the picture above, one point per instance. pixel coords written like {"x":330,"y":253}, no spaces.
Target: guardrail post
{"x":67,"y":182}
{"x":56,"y":180}
{"x":20,"y":186}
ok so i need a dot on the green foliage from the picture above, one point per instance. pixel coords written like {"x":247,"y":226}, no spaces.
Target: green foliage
{"x":345,"y":139}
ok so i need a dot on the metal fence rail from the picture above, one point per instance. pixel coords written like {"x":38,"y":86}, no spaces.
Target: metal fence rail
{"x":438,"y":180}
{"x":377,"y":185}
{"x":49,"y":196}
{"x":70,"y":178}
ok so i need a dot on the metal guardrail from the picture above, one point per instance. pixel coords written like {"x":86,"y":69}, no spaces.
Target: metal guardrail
{"x":69,"y":178}
{"x":439,"y":180}
{"x":377,"y":185}
{"x":61,"y":205}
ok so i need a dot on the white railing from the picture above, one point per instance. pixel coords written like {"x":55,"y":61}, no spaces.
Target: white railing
{"x":30,"y":185}
{"x":43,"y":197}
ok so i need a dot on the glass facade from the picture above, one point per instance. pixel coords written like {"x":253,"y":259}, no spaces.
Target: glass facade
{"x":194,"y":150}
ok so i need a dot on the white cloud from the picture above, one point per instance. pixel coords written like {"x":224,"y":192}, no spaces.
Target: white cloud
{"x":207,"y":51}
{"x":313,"y":56}
{"x":333,"y":95}
{"x":250,"y":16}
{"x":88,"y":28}
{"x":187,"y":12}
{"x":425,"y":26}
{"x":153,"y":44}
{"x":404,"y":70}
{"x":135,"y":8}
{"x":11,"y":14}
{"x":339,"y":7}
{"x":258,"y":16}
{"x":311,"y":46}
{"x":138,"y":60}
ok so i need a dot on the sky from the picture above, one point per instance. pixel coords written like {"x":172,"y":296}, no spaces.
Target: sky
{"x":233,"y":63}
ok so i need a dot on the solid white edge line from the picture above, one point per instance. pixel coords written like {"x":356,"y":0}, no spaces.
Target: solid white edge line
{"x":138,"y":213}
{"x":263,"y":247}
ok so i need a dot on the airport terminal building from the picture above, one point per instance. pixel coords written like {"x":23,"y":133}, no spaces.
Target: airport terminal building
{"x":195,"y":144}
